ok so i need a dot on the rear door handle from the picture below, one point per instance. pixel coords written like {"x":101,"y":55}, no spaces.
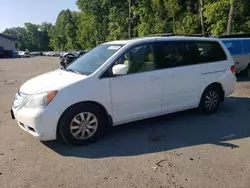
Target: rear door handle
{"x":153,"y":78}
{"x":171,"y":75}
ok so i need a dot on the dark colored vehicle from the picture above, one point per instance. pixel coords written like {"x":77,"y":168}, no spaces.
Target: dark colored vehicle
{"x":15,"y":54}
{"x":68,"y":58}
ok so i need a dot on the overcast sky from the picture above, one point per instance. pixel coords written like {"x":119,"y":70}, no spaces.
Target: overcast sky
{"x":15,"y":13}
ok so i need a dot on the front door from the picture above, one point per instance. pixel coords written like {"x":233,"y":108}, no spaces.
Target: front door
{"x":138,"y":93}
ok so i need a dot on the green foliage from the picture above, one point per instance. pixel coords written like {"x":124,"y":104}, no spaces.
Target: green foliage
{"x":99,"y":21}
{"x":118,"y":23}
{"x":216,"y":15}
{"x":189,"y":24}
{"x":64,"y":33}
{"x":32,"y":37}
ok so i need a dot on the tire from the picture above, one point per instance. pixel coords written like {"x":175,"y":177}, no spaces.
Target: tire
{"x":244,"y":73}
{"x":213,"y":93}
{"x":71,"y":125}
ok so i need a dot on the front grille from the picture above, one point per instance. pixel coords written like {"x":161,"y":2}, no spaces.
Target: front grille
{"x":27,"y":127}
{"x":31,"y":129}
{"x":22,"y":124}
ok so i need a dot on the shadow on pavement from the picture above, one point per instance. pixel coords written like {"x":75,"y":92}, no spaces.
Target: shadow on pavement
{"x":168,"y":132}
{"x":242,"y":78}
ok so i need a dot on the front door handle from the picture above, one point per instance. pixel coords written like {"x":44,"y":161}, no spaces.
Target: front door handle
{"x":153,"y":78}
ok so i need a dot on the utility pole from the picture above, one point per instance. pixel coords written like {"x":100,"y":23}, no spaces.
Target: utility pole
{"x":129,"y":19}
{"x":230,"y":17}
{"x":202,"y":17}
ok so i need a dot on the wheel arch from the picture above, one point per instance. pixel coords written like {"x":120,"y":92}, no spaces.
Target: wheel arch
{"x":215,"y":84}
{"x":109,"y":117}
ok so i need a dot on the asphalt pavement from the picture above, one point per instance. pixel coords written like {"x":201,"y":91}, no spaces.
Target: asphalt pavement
{"x":182,"y":150}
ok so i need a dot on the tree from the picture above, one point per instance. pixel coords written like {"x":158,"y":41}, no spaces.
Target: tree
{"x":230,"y":17}
{"x":97,"y":12}
{"x":202,"y":17}
{"x":216,"y":13}
{"x":33,"y":37}
{"x":99,"y":21}
{"x":64,"y":33}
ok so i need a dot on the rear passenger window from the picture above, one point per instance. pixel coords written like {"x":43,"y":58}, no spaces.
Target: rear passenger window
{"x":171,"y":54}
{"x":210,"y":52}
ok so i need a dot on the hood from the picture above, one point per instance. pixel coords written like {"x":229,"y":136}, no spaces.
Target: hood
{"x":53,"y":80}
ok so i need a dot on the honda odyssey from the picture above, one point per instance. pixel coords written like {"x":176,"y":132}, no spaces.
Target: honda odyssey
{"x":124,"y":81}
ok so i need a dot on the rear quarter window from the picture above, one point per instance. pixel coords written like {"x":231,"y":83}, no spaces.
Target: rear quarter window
{"x":210,"y":51}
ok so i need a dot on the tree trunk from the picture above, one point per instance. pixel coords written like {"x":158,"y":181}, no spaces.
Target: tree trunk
{"x":174,"y":25}
{"x":230,"y":17}
{"x":129,"y":19}
{"x":202,"y":17}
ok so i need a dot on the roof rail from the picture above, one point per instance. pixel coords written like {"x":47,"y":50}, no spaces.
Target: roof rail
{"x":161,"y":35}
{"x":242,"y":35}
{"x":171,"y":34}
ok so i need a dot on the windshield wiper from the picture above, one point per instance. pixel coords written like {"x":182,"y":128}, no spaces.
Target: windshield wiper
{"x":77,"y":72}
{"x":71,"y":70}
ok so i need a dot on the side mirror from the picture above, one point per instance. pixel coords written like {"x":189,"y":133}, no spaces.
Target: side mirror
{"x":120,"y":69}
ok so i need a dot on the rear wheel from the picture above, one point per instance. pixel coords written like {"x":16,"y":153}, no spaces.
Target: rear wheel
{"x":210,"y":100}
{"x":244,"y":73}
{"x":83,"y":124}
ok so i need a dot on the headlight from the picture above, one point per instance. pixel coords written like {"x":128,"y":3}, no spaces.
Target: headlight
{"x":39,"y":100}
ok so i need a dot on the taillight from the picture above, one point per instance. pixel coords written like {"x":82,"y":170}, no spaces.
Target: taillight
{"x":233,"y":68}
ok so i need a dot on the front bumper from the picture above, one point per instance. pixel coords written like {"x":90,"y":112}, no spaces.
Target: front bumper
{"x":37,"y":122}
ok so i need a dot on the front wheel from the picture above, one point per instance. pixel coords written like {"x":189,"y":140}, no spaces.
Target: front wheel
{"x":210,"y":101}
{"x":83,"y":124}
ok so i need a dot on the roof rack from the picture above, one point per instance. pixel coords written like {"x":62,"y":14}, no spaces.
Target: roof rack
{"x":171,"y":34}
{"x":243,"y":35}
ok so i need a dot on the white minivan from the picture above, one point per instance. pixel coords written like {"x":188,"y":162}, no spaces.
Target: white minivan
{"x":124,"y":81}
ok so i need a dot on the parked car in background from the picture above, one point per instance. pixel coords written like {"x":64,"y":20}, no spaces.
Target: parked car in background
{"x":67,"y":58}
{"x":15,"y":54}
{"x":47,"y":53}
{"x":36,"y":53}
{"x":55,"y":54}
{"x":239,"y":47}
{"x":125,"y":81}
{"x":24,"y":53}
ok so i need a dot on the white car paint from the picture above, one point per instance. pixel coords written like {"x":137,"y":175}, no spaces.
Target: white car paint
{"x":126,"y":98}
{"x":24,"y":53}
{"x":49,"y":81}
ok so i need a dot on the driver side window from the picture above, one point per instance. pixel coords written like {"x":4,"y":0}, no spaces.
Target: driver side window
{"x":138,"y":59}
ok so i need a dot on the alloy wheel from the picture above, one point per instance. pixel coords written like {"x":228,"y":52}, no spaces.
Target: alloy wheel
{"x":83,"y":125}
{"x":211,"y":100}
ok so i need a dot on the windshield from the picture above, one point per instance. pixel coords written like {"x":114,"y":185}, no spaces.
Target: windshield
{"x":91,"y":61}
